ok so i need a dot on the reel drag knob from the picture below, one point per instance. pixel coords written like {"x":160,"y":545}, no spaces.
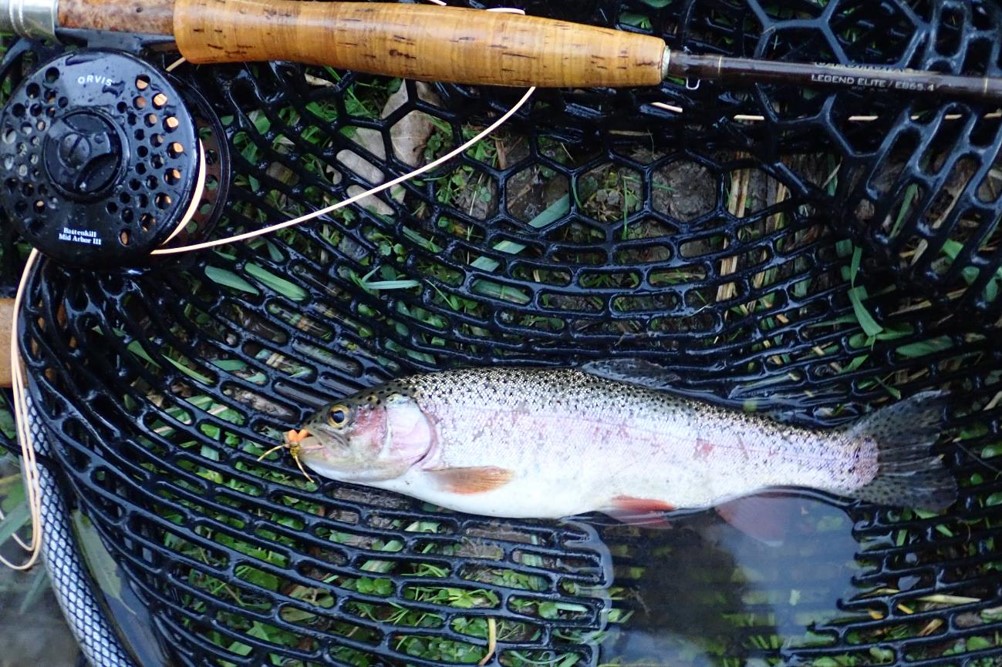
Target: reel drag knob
{"x":101,"y":160}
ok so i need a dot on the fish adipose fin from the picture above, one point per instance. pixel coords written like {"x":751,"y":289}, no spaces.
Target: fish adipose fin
{"x":907,"y":474}
{"x":471,"y":480}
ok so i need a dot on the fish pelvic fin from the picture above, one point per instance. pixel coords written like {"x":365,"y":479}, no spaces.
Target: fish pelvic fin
{"x":470,"y":480}
{"x":908,"y":474}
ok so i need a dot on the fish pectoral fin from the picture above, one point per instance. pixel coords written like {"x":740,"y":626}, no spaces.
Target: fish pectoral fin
{"x":472,"y":479}
{"x":646,"y":512}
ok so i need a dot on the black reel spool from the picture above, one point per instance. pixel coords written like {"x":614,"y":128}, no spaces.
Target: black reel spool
{"x":103,"y":160}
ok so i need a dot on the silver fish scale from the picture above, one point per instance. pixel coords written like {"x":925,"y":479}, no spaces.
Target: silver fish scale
{"x":547,"y":422}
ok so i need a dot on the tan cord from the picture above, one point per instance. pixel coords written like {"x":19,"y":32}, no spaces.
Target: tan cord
{"x":29,"y":464}
{"x":177,"y":63}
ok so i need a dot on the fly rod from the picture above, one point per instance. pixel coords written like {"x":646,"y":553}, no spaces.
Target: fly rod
{"x":448,"y":44}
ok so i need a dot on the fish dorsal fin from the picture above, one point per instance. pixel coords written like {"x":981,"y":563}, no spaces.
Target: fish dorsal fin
{"x":650,"y":375}
{"x":633,"y":371}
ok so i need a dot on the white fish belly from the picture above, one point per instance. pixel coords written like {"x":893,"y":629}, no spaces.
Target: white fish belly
{"x":569,"y":463}
{"x":519,"y":498}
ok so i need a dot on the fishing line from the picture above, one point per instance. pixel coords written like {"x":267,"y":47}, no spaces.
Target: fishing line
{"x":351,"y":200}
{"x":355,"y":198}
{"x":157,"y":104}
{"x":483,"y":134}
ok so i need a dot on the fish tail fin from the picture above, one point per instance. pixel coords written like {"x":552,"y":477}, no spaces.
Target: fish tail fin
{"x":908,"y":474}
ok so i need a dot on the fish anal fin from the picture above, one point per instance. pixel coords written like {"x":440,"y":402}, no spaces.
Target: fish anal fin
{"x":648,"y":512}
{"x":764,"y":517}
{"x":471,"y":480}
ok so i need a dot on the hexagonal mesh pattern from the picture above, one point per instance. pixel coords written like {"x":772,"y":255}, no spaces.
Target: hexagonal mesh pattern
{"x":595,"y":225}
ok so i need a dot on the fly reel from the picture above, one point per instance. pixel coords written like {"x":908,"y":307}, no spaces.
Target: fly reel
{"x":106,"y":158}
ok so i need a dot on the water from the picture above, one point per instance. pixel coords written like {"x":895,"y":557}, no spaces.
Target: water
{"x":32,"y":629}
{"x":703,"y":592}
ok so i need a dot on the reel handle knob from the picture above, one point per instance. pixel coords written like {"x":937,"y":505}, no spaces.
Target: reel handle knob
{"x":83,"y":155}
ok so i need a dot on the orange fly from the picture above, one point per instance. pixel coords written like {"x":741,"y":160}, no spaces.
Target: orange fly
{"x":293,"y":438}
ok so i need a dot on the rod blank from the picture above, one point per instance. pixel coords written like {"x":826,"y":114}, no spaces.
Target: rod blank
{"x":724,"y":69}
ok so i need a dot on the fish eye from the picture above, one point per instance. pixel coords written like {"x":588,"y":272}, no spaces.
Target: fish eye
{"x":338,"y":415}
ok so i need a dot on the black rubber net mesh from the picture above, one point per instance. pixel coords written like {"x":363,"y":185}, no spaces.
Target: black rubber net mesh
{"x":786,"y":249}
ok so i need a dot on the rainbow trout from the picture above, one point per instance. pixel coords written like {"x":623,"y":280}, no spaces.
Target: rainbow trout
{"x":548,"y":443}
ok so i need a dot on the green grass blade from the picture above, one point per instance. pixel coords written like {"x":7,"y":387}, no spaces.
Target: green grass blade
{"x":284,"y":287}
{"x":14,"y":521}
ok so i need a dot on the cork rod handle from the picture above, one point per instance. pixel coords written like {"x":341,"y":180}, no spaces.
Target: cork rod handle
{"x":431,"y":43}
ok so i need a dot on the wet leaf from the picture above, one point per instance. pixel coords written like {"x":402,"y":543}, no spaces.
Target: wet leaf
{"x":229,"y":279}
{"x":925,"y":347}
{"x":284,"y":287}
{"x":870,"y":326}
{"x":102,"y":566}
{"x":857,"y":257}
{"x":15,"y":519}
